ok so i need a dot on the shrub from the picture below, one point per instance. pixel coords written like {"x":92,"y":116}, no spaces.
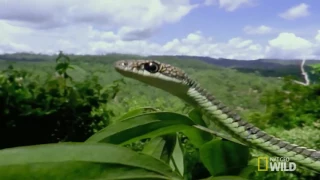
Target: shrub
{"x":292,"y":106}
{"x":56,"y":109}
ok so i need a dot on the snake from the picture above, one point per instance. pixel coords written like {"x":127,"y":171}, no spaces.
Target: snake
{"x":176,"y":82}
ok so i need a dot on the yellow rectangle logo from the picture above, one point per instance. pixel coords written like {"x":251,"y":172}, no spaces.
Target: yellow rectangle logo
{"x":265,"y":160}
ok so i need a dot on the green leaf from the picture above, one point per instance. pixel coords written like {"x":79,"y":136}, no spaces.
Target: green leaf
{"x":196,"y":116}
{"x":248,"y":171}
{"x":178,"y":158}
{"x":105,"y":161}
{"x":76,"y":170}
{"x":137,"y":112}
{"x":149,"y":125}
{"x":217,"y":134}
{"x":77,"y":72}
{"x":169,"y":146}
{"x":154,"y":147}
{"x":161,"y":147}
{"x":222,"y":157}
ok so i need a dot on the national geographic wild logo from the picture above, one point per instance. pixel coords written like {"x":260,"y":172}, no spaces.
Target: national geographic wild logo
{"x":276,"y":164}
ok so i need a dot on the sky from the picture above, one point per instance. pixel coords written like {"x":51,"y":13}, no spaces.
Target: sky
{"x":234,"y":29}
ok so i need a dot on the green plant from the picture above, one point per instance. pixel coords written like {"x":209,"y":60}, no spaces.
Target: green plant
{"x":163,"y":156}
{"x":291,"y":106}
{"x":53,"y":110}
{"x":144,"y":143}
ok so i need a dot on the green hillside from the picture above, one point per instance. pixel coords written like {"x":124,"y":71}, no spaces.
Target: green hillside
{"x":43,"y":101}
{"x":239,"y":90}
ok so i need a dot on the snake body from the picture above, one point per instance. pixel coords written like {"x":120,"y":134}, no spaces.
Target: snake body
{"x":178,"y":83}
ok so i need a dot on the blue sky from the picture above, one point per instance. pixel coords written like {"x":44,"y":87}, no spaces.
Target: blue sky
{"x":235,"y":29}
{"x":222,"y":24}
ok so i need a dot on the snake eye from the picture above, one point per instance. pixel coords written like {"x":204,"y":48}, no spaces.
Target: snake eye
{"x":151,"y":67}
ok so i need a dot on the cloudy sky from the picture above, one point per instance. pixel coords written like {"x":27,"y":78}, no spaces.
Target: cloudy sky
{"x":237,"y":29}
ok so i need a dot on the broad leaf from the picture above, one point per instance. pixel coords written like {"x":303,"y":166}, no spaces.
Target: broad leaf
{"x":100,"y":160}
{"x":149,"y":125}
{"x":169,"y":146}
{"x":137,"y":112}
{"x":196,"y":116}
{"x":178,"y":158}
{"x":76,"y":170}
{"x":154,"y":147}
{"x":222,"y":157}
{"x":208,"y":133}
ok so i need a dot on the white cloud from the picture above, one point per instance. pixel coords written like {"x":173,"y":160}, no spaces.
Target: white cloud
{"x":195,"y":44}
{"x":231,"y":5}
{"x":95,"y":30}
{"x":290,"y":45}
{"x":317,"y":37}
{"x":295,"y":12}
{"x":290,"y":41}
{"x":140,"y":18}
{"x":87,"y":40}
{"x":257,"y":30}
{"x":194,"y":38}
{"x":317,"y":45}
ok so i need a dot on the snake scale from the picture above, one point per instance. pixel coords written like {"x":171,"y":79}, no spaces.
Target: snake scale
{"x":178,"y":83}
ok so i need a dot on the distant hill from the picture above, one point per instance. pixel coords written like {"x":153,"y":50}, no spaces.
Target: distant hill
{"x":288,"y":61}
{"x":264,"y":67}
{"x":26,"y":57}
{"x":258,"y":63}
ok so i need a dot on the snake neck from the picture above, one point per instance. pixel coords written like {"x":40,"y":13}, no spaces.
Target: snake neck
{"x":248,"y":133}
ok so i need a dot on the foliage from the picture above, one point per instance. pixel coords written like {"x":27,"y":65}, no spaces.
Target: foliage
{"x":291,"y":106}
{"x":315,"y":69}
{"x":80,"y":160}
{"x":162,"y":157}
{"x":305,"y":136}
{"x":143,"y":143}
{"x":58,"y":109}
{"x":242,"y":95}
{"x":296,"y":108}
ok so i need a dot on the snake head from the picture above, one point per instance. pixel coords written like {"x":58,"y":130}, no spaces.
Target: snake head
{"x":150,"y":71}
{"x":157,"y":74}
